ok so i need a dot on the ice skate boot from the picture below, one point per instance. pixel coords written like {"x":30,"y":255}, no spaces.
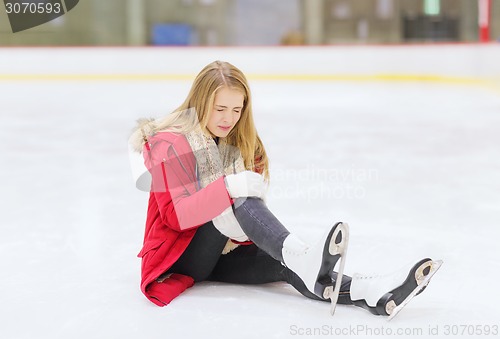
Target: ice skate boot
{"x":388,"y":294}
{"x":315,"y":264}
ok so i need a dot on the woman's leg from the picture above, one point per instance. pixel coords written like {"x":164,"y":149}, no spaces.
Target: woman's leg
{"x":202,"y":260}
{"x":313,"y":264}
{"x":251,"y":265}
{"x":261,"y":226}
{"x":202,"y":253}
{"x":380,"y":294}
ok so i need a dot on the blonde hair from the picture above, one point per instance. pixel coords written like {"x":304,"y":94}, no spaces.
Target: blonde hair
{"x":201,"y":98}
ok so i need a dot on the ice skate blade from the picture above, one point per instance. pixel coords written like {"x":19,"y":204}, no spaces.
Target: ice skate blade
{"x":341,"y":249}
{"x":329,"y":294}
{"x":422,"y":283}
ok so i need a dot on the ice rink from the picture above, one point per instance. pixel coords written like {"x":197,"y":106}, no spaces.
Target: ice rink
{"x":413,"y":167}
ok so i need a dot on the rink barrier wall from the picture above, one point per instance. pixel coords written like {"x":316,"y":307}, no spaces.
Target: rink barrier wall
{"x":491,"y":84}
{"x":462,"y":64}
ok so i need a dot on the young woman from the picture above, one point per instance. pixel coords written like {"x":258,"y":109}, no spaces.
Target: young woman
{"x":207,"y":172}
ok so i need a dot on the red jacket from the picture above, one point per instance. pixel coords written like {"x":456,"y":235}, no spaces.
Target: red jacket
{"x":176,"y":208}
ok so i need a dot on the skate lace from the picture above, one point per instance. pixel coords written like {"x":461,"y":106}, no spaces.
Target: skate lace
{"x":296,"y":252}
{"x":367,"y":277}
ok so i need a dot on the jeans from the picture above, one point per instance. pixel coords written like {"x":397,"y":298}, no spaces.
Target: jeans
{"x":258,"y":263}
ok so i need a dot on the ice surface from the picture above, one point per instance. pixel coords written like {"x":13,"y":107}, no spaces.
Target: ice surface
{"x":413,"y":168}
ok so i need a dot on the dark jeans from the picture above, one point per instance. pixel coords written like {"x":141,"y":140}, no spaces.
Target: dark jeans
{"x":248,"y":264}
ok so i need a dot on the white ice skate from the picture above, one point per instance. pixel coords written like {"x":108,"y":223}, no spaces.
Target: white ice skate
{"x":388,"y":294}
{"x":315,"y":264}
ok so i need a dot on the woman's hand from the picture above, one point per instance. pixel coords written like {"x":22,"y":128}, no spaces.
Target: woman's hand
{"x":246,"y":184}
{"x":228,"y":225}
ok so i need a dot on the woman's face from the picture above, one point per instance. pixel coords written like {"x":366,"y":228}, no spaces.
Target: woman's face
{"x":228,"y":104}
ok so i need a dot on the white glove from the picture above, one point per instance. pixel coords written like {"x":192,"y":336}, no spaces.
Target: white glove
{"x":227,"y":224}
{"x":246,"y":184}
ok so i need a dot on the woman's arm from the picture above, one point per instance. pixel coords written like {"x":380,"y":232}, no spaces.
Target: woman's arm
{"x":181,"y":205}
